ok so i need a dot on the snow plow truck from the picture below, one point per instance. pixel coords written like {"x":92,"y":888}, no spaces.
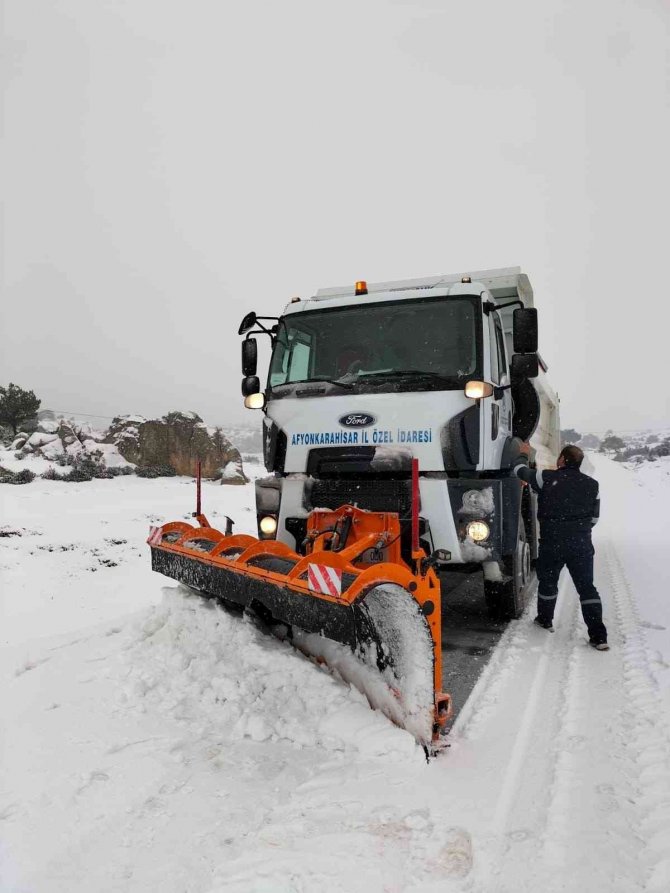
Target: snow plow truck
{"x":392,"y":417}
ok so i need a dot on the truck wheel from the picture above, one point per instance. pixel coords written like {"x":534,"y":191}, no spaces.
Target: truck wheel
{"x":505,"y":599}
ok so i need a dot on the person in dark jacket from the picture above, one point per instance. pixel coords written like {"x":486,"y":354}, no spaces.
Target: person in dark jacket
{"x":568,"y":508}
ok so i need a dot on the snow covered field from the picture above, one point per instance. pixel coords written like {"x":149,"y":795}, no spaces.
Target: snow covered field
{"x":152,"y":741}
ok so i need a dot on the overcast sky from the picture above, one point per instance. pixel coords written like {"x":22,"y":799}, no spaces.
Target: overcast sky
{"x":172,"y":165}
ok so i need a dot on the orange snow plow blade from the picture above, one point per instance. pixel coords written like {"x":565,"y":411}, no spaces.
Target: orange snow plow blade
{"x":351,"y":586}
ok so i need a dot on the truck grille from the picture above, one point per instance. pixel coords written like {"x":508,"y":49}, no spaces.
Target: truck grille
{"x":373,"y":495}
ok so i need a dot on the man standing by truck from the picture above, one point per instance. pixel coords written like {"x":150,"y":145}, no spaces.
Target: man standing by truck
{"x":568,"y":508}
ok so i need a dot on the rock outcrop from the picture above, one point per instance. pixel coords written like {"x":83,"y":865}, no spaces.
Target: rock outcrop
{"x":179,"y":439}
{"x":62,"y":440}
{"x":176,"y":441}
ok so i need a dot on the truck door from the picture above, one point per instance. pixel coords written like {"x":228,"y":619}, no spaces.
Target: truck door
{"x":500,"y":423}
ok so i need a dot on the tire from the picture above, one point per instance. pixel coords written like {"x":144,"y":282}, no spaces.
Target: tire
{"x":505,"y":599}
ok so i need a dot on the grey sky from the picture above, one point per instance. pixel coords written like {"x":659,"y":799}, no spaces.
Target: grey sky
{"x":171,"y":165}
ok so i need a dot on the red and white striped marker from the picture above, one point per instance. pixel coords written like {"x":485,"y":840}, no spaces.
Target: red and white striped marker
{"x":324,"y":579}
{"x":155,"y":536}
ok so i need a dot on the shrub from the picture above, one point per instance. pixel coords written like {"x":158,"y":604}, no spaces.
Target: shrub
{"x":25,"y":476}
{"x":90,"y":463}
{"x":77,"y":476}
{"x":663,"y":449}
{"x":612,"y":442}
{"x":569,"y":435}
{"x":631,"y":452}
{"x":6,"y":476}
{"x":155,"y":471}
{"x":50,"y":474}
{"x":85,"y":467}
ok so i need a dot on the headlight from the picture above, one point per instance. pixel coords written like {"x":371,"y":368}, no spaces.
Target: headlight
{"x":255,"y":401}
{"x":268,"y":525}
{"x":476,"y":390}
{"x":478,"y":531}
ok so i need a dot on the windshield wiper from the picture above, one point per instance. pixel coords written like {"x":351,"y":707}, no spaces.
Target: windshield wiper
{"x":338,"y":382}
{"x":399,"y":373}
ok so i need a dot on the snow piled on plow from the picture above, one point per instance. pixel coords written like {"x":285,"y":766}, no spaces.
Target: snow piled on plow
{"x":403,"y":693}
{"x":224,"y":679}
{"x":406,"y":642}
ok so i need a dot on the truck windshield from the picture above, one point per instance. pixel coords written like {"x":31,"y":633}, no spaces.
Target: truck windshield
{"x":426,"y":344}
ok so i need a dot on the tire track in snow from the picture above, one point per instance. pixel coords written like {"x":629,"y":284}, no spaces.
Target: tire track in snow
{"x":608,"y":820}
{"x":485,"y":695}
{"x":590,"y":827}
{"x":529,"y":684}
{"x":581,"y":781}
{"x":648,"y":731}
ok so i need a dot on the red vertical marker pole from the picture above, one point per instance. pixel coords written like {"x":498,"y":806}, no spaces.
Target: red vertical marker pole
{"x":415,"y":505}
{"x":198,"y":487}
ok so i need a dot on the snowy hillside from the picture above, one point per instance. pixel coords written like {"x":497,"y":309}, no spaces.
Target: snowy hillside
{"x":154,"y":742}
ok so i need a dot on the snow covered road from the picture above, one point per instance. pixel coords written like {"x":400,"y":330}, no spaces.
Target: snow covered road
{"x":153,"y":741}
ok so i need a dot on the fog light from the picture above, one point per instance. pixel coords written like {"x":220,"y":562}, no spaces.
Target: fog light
{"x":478,"y":531}
{"x":268,"y":525}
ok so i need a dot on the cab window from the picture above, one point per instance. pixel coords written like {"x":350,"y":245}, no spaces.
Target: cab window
{"x":500,"y":342}
{"x":493,"y":348}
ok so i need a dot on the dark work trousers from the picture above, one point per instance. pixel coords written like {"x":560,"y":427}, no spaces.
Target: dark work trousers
{"x":577,"y":553}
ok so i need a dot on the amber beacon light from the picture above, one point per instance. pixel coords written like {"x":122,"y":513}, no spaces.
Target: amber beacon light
{"x":361,"y":287}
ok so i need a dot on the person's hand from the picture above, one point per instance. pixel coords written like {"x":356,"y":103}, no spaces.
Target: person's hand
{"x":524,"y":448}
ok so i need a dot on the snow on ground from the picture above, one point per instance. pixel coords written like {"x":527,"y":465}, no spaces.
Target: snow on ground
{"x":152,"y":741}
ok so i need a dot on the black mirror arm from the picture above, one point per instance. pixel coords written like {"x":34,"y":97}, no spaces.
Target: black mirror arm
{"x":490,"y":306}
{"x":271,"y":332}
{"x":263,"y":328}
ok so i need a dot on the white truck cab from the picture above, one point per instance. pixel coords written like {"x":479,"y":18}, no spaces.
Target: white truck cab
{"x":443,"y":369}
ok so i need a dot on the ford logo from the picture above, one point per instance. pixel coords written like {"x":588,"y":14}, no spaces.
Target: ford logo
{"x":357,"y":420}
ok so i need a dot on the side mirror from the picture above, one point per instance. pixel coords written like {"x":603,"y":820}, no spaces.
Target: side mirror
{"x":525,"y":330}
{"x":524,"y":365}
{"x":247,"y":323}
{"x":249,"y":356}
{"x":251,"y":384}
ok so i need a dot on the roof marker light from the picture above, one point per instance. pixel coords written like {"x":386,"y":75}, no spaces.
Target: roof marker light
{"x":466,"y":279}
{"x":361,"y":287}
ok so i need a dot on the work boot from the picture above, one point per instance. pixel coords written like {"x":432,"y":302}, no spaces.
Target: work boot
{"x":545,"y":624}
{"x":599,"y":644}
